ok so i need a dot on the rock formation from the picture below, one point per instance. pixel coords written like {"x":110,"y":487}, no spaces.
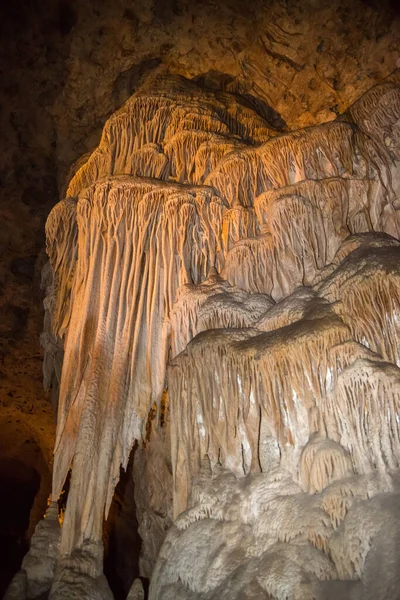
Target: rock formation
{"x":65,"y":67}
{"x":226,"y":294}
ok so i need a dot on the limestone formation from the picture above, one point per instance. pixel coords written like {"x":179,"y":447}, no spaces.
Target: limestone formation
{"x":227,"y":295}
{"x":38,"y":567}
{"x":136,"y":592}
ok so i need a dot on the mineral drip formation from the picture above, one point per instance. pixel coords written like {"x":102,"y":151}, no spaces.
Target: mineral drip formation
{"x":227,"y":296}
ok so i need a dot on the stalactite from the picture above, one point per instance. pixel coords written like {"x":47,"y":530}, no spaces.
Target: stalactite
{"x":366,"y":409}
{"x":148,"y":229}
{"x":61,"y":246}
{"x":320,"y":152}
{"x":213,"y":304}
{"x":323,"y":461}
{"x":238,"y":223}
{"x":51,"y":343}
{"x":194,"y":153}
{"x":346,"y":206}
{"x":366,"y":292}
{"x":174,"y":116}
{"x":303,"y":238}
{"x":377,"y":113}
{"x":258,"y":252}
{"x":148,"y":161}
{"x":220,"y":414}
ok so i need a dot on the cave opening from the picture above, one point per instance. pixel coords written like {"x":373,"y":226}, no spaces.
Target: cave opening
{"x":121,"y":538}
{"x":19,"y":485}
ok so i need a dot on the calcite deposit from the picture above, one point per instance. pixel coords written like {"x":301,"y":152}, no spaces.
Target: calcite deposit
{"x":225,"y":295}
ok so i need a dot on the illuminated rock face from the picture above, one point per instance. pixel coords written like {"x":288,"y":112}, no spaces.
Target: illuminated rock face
{"x":251,"y":280}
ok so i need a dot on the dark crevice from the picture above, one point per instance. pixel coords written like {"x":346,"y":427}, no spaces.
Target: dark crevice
{"x":66,"y":17}
{"x":19,"y":485}
{"x":122,"y":542}
{"x":62,"y":500}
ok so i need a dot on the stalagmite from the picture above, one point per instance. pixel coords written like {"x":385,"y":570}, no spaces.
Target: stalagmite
{"x":241,"y":284}
{"x":39,"y":565}
{"x":153,"y":492}
{"x":136,"y":592}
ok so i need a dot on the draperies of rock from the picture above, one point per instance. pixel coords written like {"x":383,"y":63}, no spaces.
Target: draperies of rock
{"x":264,"y":267}
{"x":147,"y":228}
{"x":172,"y":128}
{"x":304,"y":376}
